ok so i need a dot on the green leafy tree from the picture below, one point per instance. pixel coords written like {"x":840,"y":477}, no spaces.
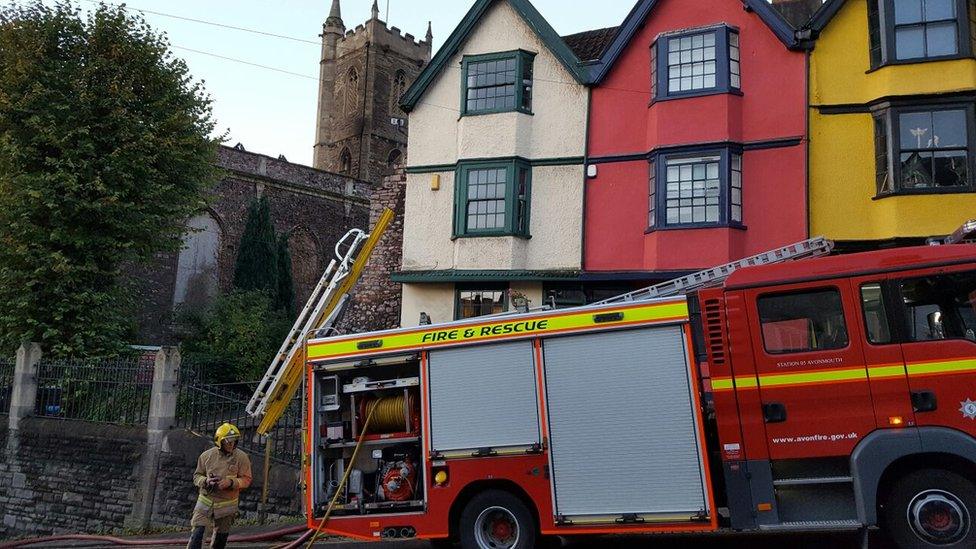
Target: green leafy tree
{"x":257,"y":260}
{"x":235,"y":337}
{"x":285,"y":295}
{"x":104,"y":153}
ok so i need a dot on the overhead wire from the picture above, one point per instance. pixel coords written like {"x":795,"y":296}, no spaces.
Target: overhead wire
{"x":205,"y":22}
{"x":317,"y":44}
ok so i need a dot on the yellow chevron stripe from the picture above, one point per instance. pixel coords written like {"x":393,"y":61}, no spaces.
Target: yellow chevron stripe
{"x":722,"y":384}
{"x":884,"y":372}
{"x":805,"y":378}
{"x":890,"y":371}
{"x":945,"y":367}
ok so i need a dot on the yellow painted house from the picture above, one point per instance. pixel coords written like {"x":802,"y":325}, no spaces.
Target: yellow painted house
{"x":892,"y":125}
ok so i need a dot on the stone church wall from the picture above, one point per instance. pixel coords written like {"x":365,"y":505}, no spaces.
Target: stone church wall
{"x":314,"y":207}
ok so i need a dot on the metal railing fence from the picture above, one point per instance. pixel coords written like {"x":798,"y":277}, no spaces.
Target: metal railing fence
{"x":6,"y":383}
{"x":115,"y":390}
{"x":202,"y":407}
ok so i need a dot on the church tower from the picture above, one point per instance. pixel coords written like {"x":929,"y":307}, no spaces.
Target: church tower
{"x":360,"y":130}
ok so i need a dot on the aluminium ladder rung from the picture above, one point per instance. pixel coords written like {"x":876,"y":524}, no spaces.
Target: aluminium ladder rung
{"x":800,"y":250}
{"x":308,"y":319}
{"x":965,"y":232}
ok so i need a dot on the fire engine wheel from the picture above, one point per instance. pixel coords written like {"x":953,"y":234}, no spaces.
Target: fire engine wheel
{"x":495,"y":519}
{"x":931,"y":508}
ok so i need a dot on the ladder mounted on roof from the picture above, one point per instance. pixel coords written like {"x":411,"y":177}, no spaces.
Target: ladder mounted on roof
{"x":966,"y":232}
{"x":709,"y":277}
{"x":322,"y":311}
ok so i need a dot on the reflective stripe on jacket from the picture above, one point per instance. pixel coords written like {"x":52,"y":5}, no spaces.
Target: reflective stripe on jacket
{"x":219,"y":509}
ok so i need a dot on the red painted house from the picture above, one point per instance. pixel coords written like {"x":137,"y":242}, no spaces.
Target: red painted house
{"x":697,"y":150}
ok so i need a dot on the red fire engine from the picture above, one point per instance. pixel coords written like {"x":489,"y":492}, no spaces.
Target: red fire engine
{"x":833,"y":393}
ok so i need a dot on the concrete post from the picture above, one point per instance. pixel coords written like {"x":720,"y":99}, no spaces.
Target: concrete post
{"x":162,"y":418}
{"x":24,"y":392}
{"x":166,"y":375}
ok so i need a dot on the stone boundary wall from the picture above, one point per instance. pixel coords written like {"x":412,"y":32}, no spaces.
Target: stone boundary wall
{"x":61,"y":476}
{"x":65,"y":476}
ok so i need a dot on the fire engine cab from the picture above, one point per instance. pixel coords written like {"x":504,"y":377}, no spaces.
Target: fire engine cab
{"x":832,"y":393}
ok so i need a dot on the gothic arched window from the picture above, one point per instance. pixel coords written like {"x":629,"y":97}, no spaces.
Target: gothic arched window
{"x":397,"y":89}
{"x":305,"y":262}
{"x":345,"y":161}
{"x":394,"y":160}
{"x":350,"y":95}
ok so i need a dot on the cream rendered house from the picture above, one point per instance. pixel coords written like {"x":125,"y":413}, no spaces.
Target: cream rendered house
{"x":494,"y":192}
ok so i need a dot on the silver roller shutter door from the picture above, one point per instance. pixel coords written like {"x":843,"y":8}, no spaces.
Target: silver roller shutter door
{"x":483,"y":396}
{"x":623,"y":436}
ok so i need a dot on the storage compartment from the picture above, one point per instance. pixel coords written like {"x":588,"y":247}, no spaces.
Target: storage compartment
{"x":379,"y":400}
{"x":483,"y":400}
{"x":622,"y":421}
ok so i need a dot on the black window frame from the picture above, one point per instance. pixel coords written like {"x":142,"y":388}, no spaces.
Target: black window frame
{"x":805,"y":291}
{"x":502,"y":287}
{"x":523,"y":99}
{"x":881,"y":34}
{"x":887,"y":143}
{"x":657,"y":180}
{"x":514,"y":203}
{"x":899,"y":315}
{"x":660,"y":83}
{"x":885,"y":316}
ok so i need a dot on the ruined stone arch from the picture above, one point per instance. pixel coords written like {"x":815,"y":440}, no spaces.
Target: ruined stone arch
{"x":198,"y":262}
{"x":306,"y":262}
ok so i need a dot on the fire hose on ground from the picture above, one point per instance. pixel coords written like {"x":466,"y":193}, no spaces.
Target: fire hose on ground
{"x":266,"y":536}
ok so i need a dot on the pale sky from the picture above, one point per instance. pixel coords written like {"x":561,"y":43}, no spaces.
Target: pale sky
{"x":274,"y":113}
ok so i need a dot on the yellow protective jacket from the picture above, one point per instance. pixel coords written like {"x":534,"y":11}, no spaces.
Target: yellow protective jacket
{"x":216,"y":463}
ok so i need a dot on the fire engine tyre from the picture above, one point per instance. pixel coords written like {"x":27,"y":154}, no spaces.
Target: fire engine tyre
{"x":931,"y":508}
{"x":496,"y":519}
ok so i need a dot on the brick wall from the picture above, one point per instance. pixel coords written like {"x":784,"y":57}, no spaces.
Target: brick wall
{"x":375,"y":304}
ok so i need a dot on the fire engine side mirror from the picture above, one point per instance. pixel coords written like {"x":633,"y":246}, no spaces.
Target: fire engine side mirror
{"x":774,"y":412}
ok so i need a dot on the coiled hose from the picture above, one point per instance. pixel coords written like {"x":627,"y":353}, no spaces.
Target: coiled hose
{"x":387,"y":414}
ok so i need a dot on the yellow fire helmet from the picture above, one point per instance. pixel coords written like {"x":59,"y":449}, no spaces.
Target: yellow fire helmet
{"x":228,"y":432}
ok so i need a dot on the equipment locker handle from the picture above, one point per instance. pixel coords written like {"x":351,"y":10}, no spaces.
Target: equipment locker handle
{"x":774,"y":412}
{"x":924,"y":401}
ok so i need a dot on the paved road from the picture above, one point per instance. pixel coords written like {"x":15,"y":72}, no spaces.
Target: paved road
{"x":769,"y":541}
{"x":778,"y":541}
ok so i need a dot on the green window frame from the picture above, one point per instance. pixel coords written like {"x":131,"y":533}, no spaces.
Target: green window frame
{"x":492,"y":198}
{"x":496,"y":82}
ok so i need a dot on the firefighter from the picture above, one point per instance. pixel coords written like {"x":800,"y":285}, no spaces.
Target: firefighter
{"x":222,"y":472}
